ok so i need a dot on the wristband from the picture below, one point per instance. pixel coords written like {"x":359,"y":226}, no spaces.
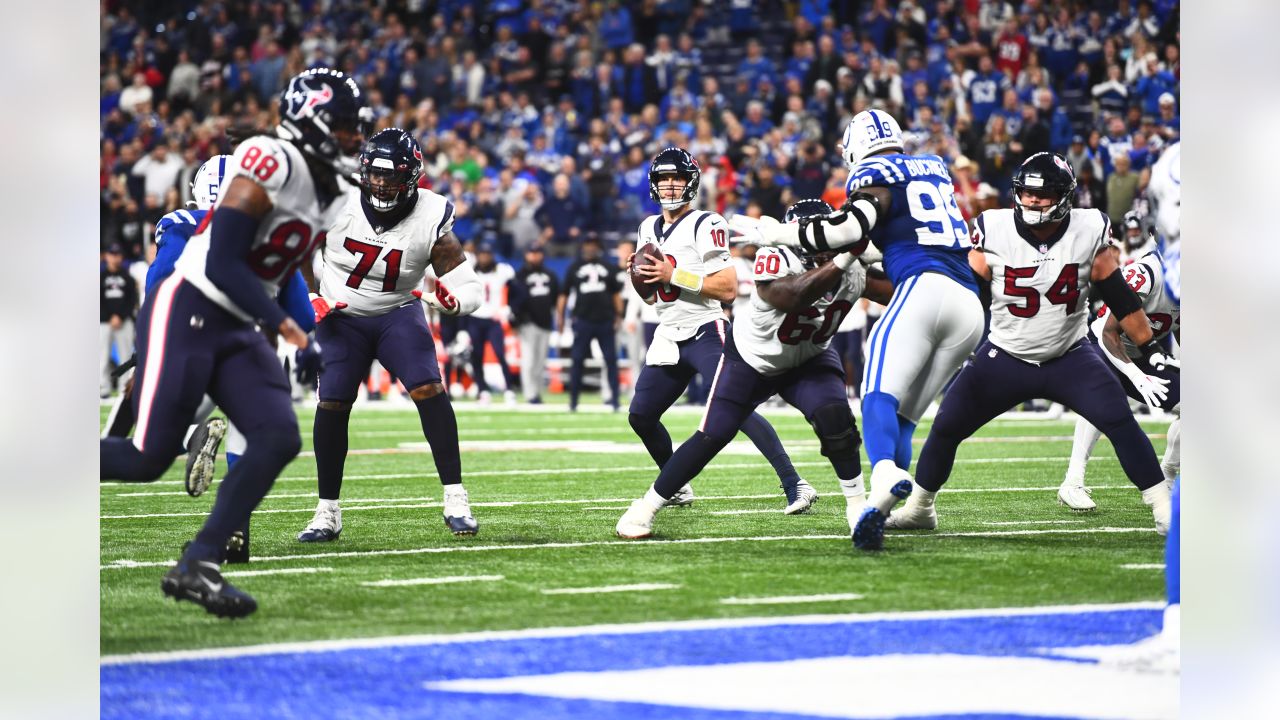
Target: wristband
{"x":844,"y":261}
{"x":686,"y":280}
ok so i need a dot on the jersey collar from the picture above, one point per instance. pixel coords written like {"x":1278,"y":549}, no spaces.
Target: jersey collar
{"x":664,"y":236}
{"x":1024,"y":231}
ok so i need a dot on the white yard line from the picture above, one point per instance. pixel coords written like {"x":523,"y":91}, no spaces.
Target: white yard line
{"x":639,"y":587}
{"x":128,"y":563}
{"x":1143,"y":566}
{"x":789,"y":599}
{"x":745,"y":512}
{"x":277,"y":571}
{"x":433,"y":581}
{"x":613,"y":629}
{"x":1034,"y":522}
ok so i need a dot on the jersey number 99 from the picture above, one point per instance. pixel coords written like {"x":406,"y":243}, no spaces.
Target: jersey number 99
{"x":934,"y":207}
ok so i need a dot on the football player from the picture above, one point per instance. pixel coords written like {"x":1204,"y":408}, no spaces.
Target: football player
{"x":199,"y":325}
{"x":485,"y":324}
{"x":697,"y":276}
{"x":906,"y":206}
{"x":375,"y":257}
{"x":1040,"y":259}
{"x":780,"y":345}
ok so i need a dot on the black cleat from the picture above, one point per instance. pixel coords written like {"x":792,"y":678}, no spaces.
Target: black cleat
{"x":201,"y":582}
{"x":202,"y":453}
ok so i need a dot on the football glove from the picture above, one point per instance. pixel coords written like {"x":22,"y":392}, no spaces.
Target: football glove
{"x":1157,"y":358}
{"x":322,"y":307}
{"x":1153,"y":389}
{"x":441,"y":299}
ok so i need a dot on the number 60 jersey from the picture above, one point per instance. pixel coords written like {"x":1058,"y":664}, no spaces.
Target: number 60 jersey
{"x":374,"y":269}
{"x":1039,"y":307}
{"x":287,"y":234}
{"x":773,"y":341}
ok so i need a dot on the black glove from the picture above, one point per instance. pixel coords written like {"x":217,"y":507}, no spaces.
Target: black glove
{"x":307,"y":365}
{"x":1157,"y":358}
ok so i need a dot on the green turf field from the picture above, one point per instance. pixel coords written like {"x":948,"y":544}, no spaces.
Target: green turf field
{"x":547,"y":488}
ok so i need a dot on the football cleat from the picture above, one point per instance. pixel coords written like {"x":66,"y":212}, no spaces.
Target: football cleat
{"x":800,"y":499}
{"x":918,"y":513}
{"x":457,"y":512}
{"x":868,"y":532}
{"x":238,"y":548}
{"x":202,"y":452}
{"x":325,"y":525}
{"x":637,"y":522}
{"x":201,"y":582}
{"x":682,"y":498}
{"x":1160,"y":498}
{"x":1076,"y":496}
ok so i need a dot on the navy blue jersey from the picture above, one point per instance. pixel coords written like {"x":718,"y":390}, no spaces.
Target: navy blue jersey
{"x":922,"y":230}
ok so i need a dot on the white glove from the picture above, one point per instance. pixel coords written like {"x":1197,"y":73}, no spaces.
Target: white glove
{"x":1153,"y":389}
{"x":749,"y":229}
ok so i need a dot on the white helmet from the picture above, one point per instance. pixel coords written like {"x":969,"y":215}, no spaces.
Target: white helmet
{"x":869,"y":131}
{"x":207,"y":180}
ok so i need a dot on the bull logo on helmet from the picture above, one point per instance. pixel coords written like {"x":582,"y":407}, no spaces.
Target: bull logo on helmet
{"x":304,"y":97}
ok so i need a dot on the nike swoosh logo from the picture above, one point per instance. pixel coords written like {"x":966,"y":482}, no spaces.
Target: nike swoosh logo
{"x":215,"y":587}
{"x":699,"y":335}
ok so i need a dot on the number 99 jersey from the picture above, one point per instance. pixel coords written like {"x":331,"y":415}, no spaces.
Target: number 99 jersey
{"x":1038,"y":304}
{"x":287,"y":234}
{"x":772,"y":341}
{"x":923,"y":229}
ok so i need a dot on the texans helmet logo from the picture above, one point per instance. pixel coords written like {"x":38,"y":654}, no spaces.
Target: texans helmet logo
{"x":304,"y":98}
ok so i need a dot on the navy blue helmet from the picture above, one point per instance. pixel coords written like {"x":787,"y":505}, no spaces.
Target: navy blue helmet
{"x":323,"y":112}
{"x":1044,"y":174}
{"x":674,"y":161}
{"x":810,"y":207}
{"x":390,"y":166}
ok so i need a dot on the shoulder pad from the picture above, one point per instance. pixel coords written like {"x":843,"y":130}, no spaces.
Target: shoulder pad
{"x":773,"y":263}
{"x":265,"y":161}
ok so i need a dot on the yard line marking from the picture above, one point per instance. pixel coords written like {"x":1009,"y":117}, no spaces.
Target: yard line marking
{"x":277,"y":571}
{"x":787,"y":599}
{"x":1034,"y":522}
{"x":608,"y":507}
{"x":744,"y":512}
{"x":639,"y":587}
{"x":126,"y":563}
{"x":319,"y":646}
{"x":433,"y":581}
{"x":1143,"y":566}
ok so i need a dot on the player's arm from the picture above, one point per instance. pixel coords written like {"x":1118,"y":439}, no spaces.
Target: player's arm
{"x":795,"y":292}
{"x":232,"y":230}
{"x":847,"y":229}
{"x":1125,"y":305}
{"x":458,"y":290}
{"x":296,"y":300}
{"x":879,"y":288}
{"x":720,"y":285}
{"x":171,"y":238}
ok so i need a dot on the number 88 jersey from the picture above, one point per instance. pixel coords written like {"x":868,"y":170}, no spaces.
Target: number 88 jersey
{"x":1039,"y":307}
{"x":287,"y":234}
{"x":772,"y":341}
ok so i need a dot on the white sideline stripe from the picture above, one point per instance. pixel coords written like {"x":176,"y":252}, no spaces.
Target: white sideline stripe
{"x":126,"y":563}
{"x":277,"y":571}
{"x":1034,"y":522}
{"x":787,"y":599}
{"x":415,"y":503}
{"x":318,"y":646}
{"x":639,"y":587}
{"x":744,"y":512}
{"x":1143,"y":566}
{"x":433,"y":581}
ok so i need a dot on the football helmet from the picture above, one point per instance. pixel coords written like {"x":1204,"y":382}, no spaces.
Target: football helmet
{"x":1044,"y":173}
{"x":207,"y":180}
{"x":315,"y":107}
{"x":809,"y":207}
{"x":674,"y":161}
{"x":870,"y":131}
{"x":390,"y":166}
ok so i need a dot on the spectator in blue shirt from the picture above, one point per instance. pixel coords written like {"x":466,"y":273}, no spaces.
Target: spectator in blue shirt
{"x":1168,"y":124}
{"x":985,"y":90}
{"x":755,"y":123}
{"x":877,"y":23}
{"x":615,"y":26}
{"x":755,"y":65}
{"x":1157,"y":82}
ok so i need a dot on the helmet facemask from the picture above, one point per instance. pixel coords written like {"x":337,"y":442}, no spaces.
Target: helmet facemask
{"x":664,"y":199}
{"x":1040,"y":215}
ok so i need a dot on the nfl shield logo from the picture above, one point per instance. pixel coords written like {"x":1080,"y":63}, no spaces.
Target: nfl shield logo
{"x":1043,"y":248}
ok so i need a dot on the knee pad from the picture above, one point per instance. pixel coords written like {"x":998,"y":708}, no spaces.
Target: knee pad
{"x":642,"y":423}
{"x":836,"y":429}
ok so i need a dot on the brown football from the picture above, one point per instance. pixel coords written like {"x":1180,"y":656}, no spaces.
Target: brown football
{"x":648,"y":254}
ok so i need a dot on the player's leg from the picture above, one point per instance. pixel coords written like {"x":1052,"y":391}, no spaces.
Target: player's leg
{"x":1171,"y":464}
{"x":1073,"y":492}
{"x":657,"y":389}
{"x":817,"y":389}
{"x":529,"y":382}
{"x":406,"y":347}
{"x":608,"y":340}
{"x":498,"y":341}
{"x":578,"y":355}
{"x":733,"y":397}
{"x":120,"y":418}
{"x":1085,"y":384}
{"x":481,"y":336}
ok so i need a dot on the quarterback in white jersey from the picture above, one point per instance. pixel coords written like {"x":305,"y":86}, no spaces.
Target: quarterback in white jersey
{"x":376,"y":255}
{"x":780,"y":346}
{"x":200,"y":336}
{"x":1040,"y":260}
{"x":1146,"y":276}
{"x":691,"y":284}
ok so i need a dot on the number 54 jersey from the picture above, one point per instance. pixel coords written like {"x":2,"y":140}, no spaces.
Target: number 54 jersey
{"x":773,"y":341}
{"x":287,"y":235}
{"x":373,"y":270}
{"x":1039,"y":307}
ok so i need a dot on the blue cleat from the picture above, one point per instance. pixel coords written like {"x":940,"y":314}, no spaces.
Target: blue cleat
{"x":868,"y":532}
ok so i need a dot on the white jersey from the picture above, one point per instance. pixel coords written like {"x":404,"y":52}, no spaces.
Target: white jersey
{"x":1039,"y":303}
{"x":493,"y":305}
{"x":287,"y":235}
{"x":1146,"y":277}
{"x":773,"y":341}
{"x":697,"y":241}
{"x":375,"y":270}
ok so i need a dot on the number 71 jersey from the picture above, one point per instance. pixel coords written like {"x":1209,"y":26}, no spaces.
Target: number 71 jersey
{"x":1039,"y":307}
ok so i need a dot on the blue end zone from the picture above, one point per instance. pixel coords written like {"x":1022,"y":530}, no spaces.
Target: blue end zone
{"x":389,"y":681}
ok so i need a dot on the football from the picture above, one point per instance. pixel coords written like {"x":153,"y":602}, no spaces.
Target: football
{"x":648,"y":254}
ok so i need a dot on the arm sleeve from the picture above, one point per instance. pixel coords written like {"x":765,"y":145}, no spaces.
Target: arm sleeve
{"x":465,"y":287}
{"x":231,"y":237}
{"x":295,"y":299}
{"x":169,"y":246}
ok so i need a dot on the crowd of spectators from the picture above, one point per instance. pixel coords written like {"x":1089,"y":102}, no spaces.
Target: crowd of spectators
{"x":538,"y":117}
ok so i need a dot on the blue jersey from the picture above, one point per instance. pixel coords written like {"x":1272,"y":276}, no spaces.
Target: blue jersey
{"x":923,"y":230}
{"x":172,"y":233}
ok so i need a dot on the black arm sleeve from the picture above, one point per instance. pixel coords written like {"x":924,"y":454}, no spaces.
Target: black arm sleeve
{"x":231,"y":237}
{"x":1118,"y":296}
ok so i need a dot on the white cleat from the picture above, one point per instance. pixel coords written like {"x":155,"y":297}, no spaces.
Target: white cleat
{"x":806,"y":496}
{"x":509,"y":397}
{"x":682,"y":498}
{"x":1160,"y":498}
{"x":457,"y":512}
{"x":637,"y":522}
{"x":1076,"y":496}
{"x":326,"y":524}
{"x":917,"y":513}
